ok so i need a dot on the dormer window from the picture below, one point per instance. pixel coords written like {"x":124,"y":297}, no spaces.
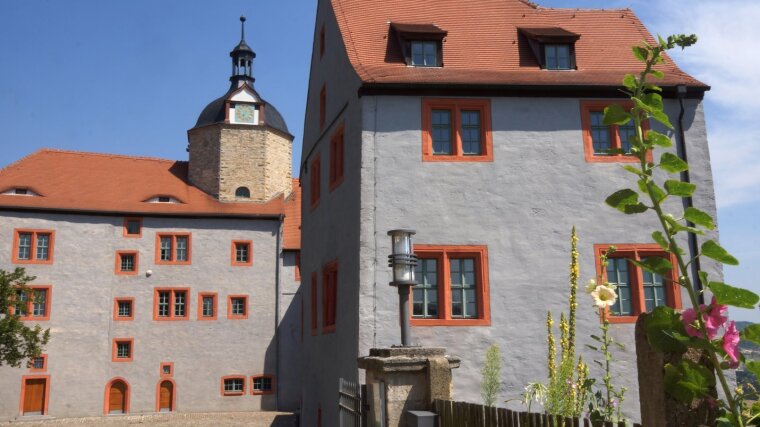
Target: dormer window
{"x":552,"y":47}
{"x":23,"y":191}
{"x":20,"y":191}
{"x":163,"y":199}
{"x":420,"y":44}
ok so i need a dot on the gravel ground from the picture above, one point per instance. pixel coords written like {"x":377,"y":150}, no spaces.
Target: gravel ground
{"x":231,"y":419}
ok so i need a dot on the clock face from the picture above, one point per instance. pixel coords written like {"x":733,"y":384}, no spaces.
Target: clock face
{"x":244,"y":113}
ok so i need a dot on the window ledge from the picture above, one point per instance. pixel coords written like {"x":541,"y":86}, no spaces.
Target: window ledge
{"x":451,"y":322}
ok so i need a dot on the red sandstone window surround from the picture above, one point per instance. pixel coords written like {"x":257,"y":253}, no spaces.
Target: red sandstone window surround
{"x":453,"y":286}
{"x":241,"y":253}
{"x":298,"y":266}
{"x":207,"y":305}
{"x":237,"y":306}
{"x":233,"y":385}
{"x":33,"y":246}
{"x":456,"y":130}
{"x":123,"y":308}
{"x":123,"y":350}
{"x":329,"y":296}
{"x":314,"y":313}
{"x":336,"y":158}
{"x":167,"y":369}
{"x":638,"y":291}
{"x":322,"y":41}
{"x":33,"y":304}
{"x":262,"y":384}
{"x":598,"y":138}
{"x":171,"y":304}
{"x":315,"y":181}
{"x":322,"y":106}
{"x":126,"y":263}
{"x":173,"y":248}
{"x":38,"y":364}
{"x":132,"y":227}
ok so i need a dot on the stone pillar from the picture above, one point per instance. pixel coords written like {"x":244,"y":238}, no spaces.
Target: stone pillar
{"x":409,"y":378}
{"x":658,"y":409}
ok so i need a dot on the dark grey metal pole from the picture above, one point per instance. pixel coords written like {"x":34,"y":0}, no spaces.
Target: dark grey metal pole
{"x":403,"y":312}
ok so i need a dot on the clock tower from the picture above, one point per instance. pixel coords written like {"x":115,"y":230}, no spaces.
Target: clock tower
{"x":240,"y":148}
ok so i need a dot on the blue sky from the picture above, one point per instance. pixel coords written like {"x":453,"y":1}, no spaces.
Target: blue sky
{"x":132,"y":77}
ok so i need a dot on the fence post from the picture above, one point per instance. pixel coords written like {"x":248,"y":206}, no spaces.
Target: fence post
{"x":658,"y":409}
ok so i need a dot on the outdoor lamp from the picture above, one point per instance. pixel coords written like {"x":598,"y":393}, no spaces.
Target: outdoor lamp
{"x":402,"y":260}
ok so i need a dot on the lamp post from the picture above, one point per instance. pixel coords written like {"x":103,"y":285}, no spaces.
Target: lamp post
{"x":403,"y":261}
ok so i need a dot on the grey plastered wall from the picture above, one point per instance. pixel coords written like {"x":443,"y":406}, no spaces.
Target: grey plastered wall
{"x":330,"y":231}
{"x":290,"y":335}
{"x":522,"y":206}
{"x":82,"y":329}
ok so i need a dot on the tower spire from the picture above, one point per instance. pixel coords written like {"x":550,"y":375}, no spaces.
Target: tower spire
{"x":242,"y":27}
{"x":242,"y":60}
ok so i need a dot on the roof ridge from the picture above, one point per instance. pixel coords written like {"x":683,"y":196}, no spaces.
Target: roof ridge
{"x":530,"y":3}
{"x":19,"y":161}
{"x":97,"y":154}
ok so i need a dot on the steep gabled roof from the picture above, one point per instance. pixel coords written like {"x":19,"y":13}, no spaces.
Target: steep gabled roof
{"x":78,"y":181}
{"x":291,"y":229}
{"x":483,"y":44}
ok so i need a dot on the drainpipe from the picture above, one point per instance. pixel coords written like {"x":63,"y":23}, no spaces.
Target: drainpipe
{"x":687,"y":201}
{"x":277,"y":258}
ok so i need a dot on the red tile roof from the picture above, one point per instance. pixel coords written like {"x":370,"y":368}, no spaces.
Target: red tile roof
{"x":78,"y":181}
{"x":483,"y":45}
{"x":291,"y":233}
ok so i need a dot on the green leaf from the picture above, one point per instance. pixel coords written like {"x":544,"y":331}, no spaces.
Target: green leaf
{"x":630,"y":82}
{"x":622,"y":198}
{"x":713,"y":250}
{"x":632,"y":169}
{"x":653,"y":100}
{"x":678,"y":188}
{"x":678,"y":227}
{"x":634,"y":209}
{"x":699,"y":217}
{"x":657,"y":73}
{"x":656,"y":323}
{"x":730,"y":295}
{"x":691,"y":342}
{"x":656,"y":138}
{"x":752,"y":333}
{"x":655,"y":265}
{"x":686,"y":380}
{"x":614,"y":114}
{"x":662,"y":118}
{"x":671,"y":163}
{"x":640,"y":53}
{"x":754,"y":367}
{"x":660,"y":239}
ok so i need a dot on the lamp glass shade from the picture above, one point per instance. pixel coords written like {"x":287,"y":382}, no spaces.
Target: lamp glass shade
{"x":401,"y":242}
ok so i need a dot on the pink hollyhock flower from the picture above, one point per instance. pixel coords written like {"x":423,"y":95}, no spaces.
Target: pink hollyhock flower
{"x":731,"y":345}
{"x":716,"y":319}
{"x":689,"y":319}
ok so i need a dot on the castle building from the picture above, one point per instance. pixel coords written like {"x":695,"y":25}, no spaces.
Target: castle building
{"x":166,"y":285}
{"x":477,"y":124}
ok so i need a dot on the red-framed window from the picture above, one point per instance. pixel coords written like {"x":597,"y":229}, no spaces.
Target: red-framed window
{"x":173,"y":248}
{"x":453,"y":286}
{"x":123,"y":309}
{"x":171,"y":304}
{"x":233,"y":385}
{"x":132,"y":227}
{"x":166,"y":369}
{"x":241,"y":253}
{"x":297,"y":266}
{"x":329,"y":296}
{"x":262,"y":384}
{"x":638,"y":290}
{"x":33,"y":303}
{"x":207,"y":306}
{"x":315,"y":181}
{"x":237,"y":306}
{"x":123,"y":350}
{"x":336,"y":158}
{"x":322,"y":106}
{"x":599,"y":138}
{"x":126,"y":263}
{"x":33,"y":246}
{"x":38,"y":363}
{"x":456,"y":130}
{"x":322,"y":41}
{"x":314,"y":313}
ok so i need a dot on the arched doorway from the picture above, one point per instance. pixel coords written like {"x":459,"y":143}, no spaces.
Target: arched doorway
{"x":166,"y":396}
{"x":117,"y":397}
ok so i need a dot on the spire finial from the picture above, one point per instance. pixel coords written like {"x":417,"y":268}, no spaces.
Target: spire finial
{"x":242,"y":27}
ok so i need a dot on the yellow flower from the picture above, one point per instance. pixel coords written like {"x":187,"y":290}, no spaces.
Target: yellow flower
{"x":590,"y":286}
{"x":604,"y":296}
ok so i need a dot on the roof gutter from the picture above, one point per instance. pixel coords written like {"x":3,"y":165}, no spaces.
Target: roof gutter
{"x":552,"y":91}
{"x":206,"y":215}
{"x":688,"y":202}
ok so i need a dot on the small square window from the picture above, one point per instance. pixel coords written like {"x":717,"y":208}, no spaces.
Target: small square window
{"x":122,"y":350}
{"x":233,"y":386}
{"x":425,"y":53}
{"x":38,"y":364}
{"x":558,"y":57}
{"x":167,"y":369}
{"x":237,"y":307}
{"x":241,"y":253}
{"x":262,"y":384}
{"x":126,"y":263}
{"x":206,"y":306}
{"x":123,"y":309}
{"x":132,"y":227}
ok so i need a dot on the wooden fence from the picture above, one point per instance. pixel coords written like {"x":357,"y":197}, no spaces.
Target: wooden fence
{"x":463,"y":414}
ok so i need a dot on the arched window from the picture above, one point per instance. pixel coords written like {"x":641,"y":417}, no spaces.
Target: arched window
{"x":243,"y":192}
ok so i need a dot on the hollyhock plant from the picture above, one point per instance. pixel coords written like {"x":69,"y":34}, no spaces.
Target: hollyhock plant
{"x":731,"y":345}
{"x":604,"y":296}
